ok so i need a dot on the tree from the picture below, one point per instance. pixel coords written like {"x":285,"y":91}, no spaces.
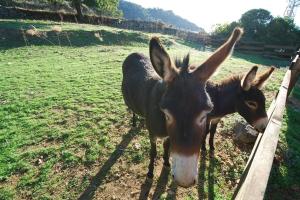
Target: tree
{"x":77,"y":5}
{"x":106,"y":7}
{"x":255,"y":22}
{"x":282,"y":31}
{"x":223,"y":30}
{"x":260,"y":26}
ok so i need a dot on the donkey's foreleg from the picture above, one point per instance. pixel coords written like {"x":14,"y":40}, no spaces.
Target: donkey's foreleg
{"x":153,"y":154}
{"x":207,"y":130}
{"x":133,"y":120}
{"x":166,"y":155}
{"x":213,"y":128}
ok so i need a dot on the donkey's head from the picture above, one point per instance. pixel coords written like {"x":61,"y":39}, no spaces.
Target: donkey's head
{"x":186,"y":104}
{"x":251,"y":100}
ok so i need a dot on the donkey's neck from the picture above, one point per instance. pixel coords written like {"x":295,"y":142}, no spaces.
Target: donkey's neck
{"x":224,"y":96}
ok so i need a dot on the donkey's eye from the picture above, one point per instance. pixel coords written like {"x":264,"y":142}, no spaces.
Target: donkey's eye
{"x":251,"y":104}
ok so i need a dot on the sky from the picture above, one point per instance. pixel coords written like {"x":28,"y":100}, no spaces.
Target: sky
{"x":207,"y":13}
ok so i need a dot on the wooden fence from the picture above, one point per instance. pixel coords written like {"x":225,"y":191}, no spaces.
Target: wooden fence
{"x":255,"y":177}
{"x":266,"y":50}
{"x":202,"y":38}
{"x":146,"y":26}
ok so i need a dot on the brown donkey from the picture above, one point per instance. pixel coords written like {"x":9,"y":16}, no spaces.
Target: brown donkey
{"x":240,"y":94}
{"x":172,"y":98}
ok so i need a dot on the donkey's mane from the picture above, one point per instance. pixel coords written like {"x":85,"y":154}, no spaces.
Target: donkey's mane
{"x":184,"y":62}
{"x":228,"y":83}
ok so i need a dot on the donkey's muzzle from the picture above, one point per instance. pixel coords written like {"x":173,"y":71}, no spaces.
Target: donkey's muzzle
{"x":261,"y":124}
{"x":185,"y":169}
{"x":186,"y":185}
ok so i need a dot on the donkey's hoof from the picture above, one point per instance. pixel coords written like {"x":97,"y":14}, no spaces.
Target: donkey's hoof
{"x":150,"y":175}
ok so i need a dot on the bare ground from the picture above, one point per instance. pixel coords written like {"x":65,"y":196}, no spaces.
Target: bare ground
{"x":119,"y":178}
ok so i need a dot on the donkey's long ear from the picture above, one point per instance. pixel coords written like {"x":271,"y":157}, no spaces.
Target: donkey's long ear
{"x":261,"y":78}
{"x":161,"y":61}
{"x":247,"y":80}
{"x":205,"y":70}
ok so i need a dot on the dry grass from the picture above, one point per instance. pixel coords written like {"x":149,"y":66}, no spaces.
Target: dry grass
{"x":57,"y":29}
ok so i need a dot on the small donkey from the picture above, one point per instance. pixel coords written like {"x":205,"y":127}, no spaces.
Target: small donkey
{"x":240,"y":94}
{"x":173,"y":100}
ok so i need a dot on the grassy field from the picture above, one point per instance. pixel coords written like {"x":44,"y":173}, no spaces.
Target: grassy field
{"x":65,"y":131}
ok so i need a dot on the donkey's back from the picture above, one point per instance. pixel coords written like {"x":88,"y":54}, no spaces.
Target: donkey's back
{"x":139,"y":79}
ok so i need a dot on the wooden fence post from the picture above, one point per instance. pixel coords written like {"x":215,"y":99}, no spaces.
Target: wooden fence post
{"x":254,"y":179}
{"x":295,"y":71}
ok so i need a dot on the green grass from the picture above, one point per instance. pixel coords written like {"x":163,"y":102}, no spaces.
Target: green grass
{"x":64,"y":122}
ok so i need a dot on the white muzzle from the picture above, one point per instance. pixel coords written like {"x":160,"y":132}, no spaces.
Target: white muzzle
{"x":185,"y":169}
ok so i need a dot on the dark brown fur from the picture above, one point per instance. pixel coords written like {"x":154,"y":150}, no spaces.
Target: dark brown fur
{"x":157,"y":87}
{"x":229,"y":97}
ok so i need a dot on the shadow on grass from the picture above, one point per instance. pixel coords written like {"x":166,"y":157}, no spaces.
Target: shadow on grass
{"x":98,"y":179}
{"x":13,"y":38}
{"x":173,"y":188}
{"x":145,"y":188}
{"x":161,"y":183}
{"x":201,"y":177}
{"x":210,"y":176}
{"x":160,"y":187}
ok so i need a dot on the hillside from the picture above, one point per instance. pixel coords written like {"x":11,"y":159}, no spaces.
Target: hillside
{"x":130,"y":11}
{"x":137,"y":12}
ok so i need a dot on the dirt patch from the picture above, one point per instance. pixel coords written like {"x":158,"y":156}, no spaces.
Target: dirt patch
{"x":126,"y":180}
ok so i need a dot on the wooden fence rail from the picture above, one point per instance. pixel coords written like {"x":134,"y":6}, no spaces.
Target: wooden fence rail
{"x":255,"y":177}
{"x":146,"y":26}
{"x":266,"y":50}
{"x":201,"y":38}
